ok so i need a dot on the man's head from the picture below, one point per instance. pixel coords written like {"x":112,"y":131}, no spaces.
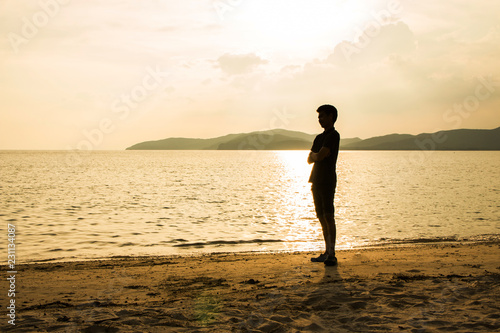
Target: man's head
{"x":327,"y":115}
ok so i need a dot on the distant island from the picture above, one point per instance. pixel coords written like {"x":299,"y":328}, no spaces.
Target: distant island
{"x":280,"y":139}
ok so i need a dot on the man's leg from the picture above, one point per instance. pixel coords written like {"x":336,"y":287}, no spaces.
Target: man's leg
{"x":323,"y":203}
{"x":331,"y":227}
{"x":331,"y":233}
{"x":322,"y":257}
{"x":326,"y":232}
{"x":331,"y":260}
{"x":318,"y":206}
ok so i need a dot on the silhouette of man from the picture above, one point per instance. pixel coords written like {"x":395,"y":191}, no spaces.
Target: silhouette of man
{"x":324,"y":153}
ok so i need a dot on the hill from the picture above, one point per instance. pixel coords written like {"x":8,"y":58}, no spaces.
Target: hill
{"x":280,"y":139}
{"x":277,"y":139}
{"x":461,"y":139}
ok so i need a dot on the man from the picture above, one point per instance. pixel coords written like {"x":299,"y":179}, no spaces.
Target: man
{"x":324,"y":153}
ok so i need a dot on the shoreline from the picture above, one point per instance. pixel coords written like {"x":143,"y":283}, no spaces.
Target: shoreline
{"x":416,"y":288}
{"x":480,"y":239}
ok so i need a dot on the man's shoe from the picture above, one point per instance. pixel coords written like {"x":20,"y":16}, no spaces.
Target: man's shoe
{"x":331,"y":261}
{"x":321,"y":258}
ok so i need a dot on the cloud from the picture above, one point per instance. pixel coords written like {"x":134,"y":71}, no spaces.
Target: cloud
{"x":401,"y":80}
{"x":400,"y":74}
{"x":374,"y":44}
{"x":234,"y":64}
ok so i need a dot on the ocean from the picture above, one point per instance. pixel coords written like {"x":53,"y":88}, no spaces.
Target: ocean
{"x":100,"y":204}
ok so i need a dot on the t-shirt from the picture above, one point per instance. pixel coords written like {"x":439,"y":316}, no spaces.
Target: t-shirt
{"x":325,"y":171}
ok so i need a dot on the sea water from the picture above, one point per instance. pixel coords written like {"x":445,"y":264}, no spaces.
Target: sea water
{"x":100,"y":204}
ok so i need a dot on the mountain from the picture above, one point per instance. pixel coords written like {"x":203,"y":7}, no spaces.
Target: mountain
{"x":280,"y":139}
{"x":277,"y":139}
{"x":183,"y":143}
{"x":461,"y":139}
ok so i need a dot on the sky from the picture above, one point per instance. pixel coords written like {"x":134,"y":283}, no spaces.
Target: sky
{"x":103,"y":75}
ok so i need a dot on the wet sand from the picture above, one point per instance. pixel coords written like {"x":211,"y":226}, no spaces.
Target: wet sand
{"x":418,"y":288}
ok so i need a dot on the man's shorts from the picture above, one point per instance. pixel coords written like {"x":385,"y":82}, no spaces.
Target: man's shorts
{"x":323,"y":195}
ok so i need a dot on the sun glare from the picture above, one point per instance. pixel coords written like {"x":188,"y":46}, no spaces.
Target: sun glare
{"x":295,"y":162}
{"x":299,"y":26}
{"x":296,"y":201}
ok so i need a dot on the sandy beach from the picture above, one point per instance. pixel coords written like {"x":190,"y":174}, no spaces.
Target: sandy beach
{"x":417,"y":288}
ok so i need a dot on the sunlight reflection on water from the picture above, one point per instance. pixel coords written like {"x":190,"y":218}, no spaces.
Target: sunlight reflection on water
{"x":181,"y":202}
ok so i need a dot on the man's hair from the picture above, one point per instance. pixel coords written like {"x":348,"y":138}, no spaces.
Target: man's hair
{"x":329,"y":109}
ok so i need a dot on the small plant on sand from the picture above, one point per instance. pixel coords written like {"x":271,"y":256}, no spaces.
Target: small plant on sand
{"x":207,"y":309}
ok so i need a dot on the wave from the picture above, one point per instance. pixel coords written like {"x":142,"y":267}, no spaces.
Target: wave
{"x":226,"y":242}
{"x":438,"y":239}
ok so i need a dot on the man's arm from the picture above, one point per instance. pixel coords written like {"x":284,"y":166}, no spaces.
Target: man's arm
{"x":320,"y":156}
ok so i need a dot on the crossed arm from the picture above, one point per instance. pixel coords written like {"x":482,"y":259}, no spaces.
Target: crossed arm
{"x":319,"y":156}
